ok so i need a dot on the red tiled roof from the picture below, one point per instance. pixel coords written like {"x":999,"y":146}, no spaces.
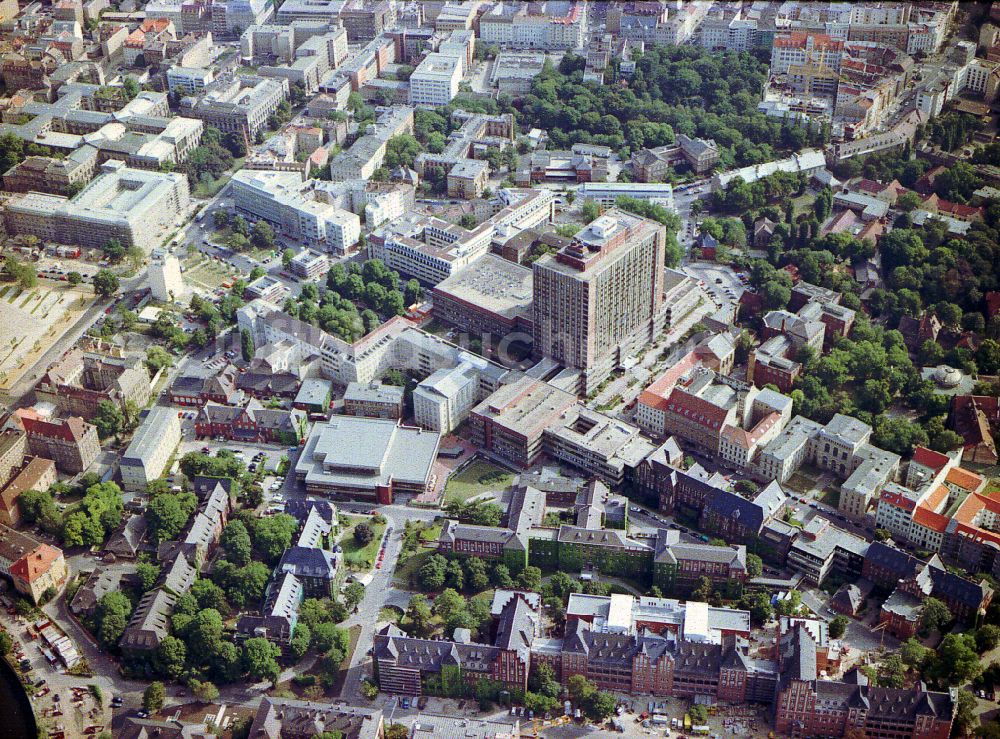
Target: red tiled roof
{"x":958,"y":210}
{"x":35,"y":564}
{"x":696,"y":409}
{"x":930,"y":520}
{"x":928,"y":458}
{"x":964,"y":479}
{"x":70,"y":429}
{"x":871,"y":186}
{"x":896,"y":500}
{"x":655,"y":396}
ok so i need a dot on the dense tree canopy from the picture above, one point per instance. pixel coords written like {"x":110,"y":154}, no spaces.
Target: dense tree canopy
{"x":675,"y":89}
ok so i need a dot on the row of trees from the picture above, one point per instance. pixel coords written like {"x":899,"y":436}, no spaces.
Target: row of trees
{"x":472,"y":574}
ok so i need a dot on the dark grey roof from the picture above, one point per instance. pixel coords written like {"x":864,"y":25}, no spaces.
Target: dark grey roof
{"x":884,"y":556}
{"x":300,"y":508}
{"x":798,"y":655}
{"x":671,"y":550}
{"x":308,"y":562}
{"x":125,"y":542}
{"x":954,"y":588}
{"x":517,"y":627}
{"x":747,"y":513}
{"x":267,"y":384}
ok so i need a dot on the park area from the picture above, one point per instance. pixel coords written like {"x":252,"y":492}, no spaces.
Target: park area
{"x":207,"y":273}
{"x":32,"y":319}
{"x":476,"y":478}
{"x":359,"y":555}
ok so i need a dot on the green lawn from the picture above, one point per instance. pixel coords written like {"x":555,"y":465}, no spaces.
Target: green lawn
{"x":803,"y":203}
{"x":390,"y":613}
{"x":431,"y":534}
{"x":356,"y":556}
{"x":401,"y":577}
{"x":830,"y":496}
{"x":477,"y":477}
{"x":800,"y":483}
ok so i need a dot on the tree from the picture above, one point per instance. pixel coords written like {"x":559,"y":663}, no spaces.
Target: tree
{"x":363,"y":534}
{"x":205,"y":691}
{"x":273,"y":535}
{"x":11,"y":151}
{"x":589,"y":210}
{"x":400,"y":151}
{"x":530,"y":578}
{"x":236,"y":543}
{"x":539,"y":704}
{"x":698,"y":714}
{"x":6,"y":644}
{"x":476,"y":575}
{"x":105,"y":283}
{"x":168,"y":514}
{"x":108,"y":419}
{"x":147,"y":573}
{"x":913,"y":653}
{"x":171,"y":657}
{"x":934,"y":615}
{"x":286,"y":258}
{"x":892,"y":672}
{"x":131,"y":87}
{"x":987,"y":637}
{"x":755,"y":565}
{"x":260,"y":659}
{"x":580,"y":689}
{"x":448,"y":604}
{"x":601,"y":706}
{"x":262,"y":235}
{"x":966,"y":713}
{"x":955,"y":661}
{"x":542,"y":680}
{"x":419,"y":612}
{"x":704,"y":590}
{"x":240,"y":226}
{"x":209,"y":595}
{"x":246,"y":345}
{"x":354,"y":593}
{"x":153,"y":696}
{"x":242,"y":585}
{"x":299,"y":643}
{"x":412,"y":292}
{"x":838,"y":626}
{"x":74,"y":278}
{"x":431,"y":574}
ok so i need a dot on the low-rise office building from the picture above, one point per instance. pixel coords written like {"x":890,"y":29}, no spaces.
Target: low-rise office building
{"x":152,"y":445}
{"x":367,"y":458}
{"x":374,"y":400}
